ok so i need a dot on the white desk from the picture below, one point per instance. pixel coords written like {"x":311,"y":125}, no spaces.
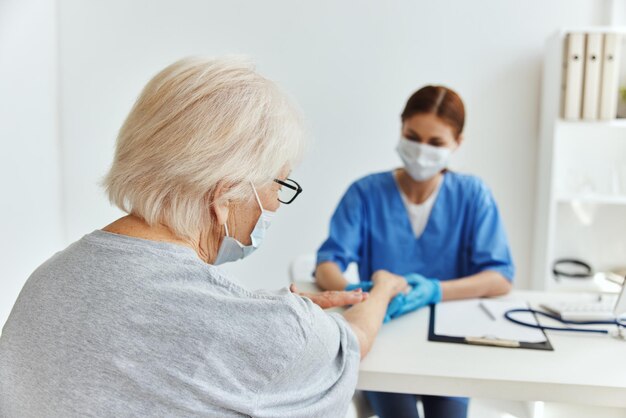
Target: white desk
{"x":582,"y":369}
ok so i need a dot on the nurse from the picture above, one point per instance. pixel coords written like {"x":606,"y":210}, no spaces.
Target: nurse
{"x":421,"y":221}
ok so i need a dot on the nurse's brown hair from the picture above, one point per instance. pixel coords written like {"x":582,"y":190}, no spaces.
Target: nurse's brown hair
{"x":441,"y":101}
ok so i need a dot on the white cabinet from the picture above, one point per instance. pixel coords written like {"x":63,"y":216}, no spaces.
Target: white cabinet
{"x":581,"y":202}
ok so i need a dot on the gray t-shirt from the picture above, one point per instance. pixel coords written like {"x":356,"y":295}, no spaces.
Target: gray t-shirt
{"x":119,"y":326}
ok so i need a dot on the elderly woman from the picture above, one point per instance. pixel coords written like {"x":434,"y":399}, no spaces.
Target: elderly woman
{"x":136,"y":320}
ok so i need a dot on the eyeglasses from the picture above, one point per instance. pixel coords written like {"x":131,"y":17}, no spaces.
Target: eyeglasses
{"x":289,"y":190}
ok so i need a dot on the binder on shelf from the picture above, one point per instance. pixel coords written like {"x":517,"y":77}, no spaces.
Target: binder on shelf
{"x":609,"y":92}
{"x":574,"y":70}
{"x":591,"y":86}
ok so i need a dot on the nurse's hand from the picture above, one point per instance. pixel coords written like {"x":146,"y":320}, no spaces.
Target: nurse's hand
{"x":390,"y":282}
{"x":425,"y":292}
{"x":333,"y":298}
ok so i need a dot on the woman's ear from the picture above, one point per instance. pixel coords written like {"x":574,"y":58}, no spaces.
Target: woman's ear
{"x":459,"y":139}
{"x":220,"y":206}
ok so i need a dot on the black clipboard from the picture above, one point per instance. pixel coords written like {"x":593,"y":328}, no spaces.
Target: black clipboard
{"x":546,"y":345}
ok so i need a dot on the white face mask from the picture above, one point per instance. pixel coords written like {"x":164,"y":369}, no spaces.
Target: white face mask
{"x":233,"y":250}
{"x":423,"y":161}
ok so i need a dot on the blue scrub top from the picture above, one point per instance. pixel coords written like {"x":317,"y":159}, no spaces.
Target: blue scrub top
{"x":463,"y":236}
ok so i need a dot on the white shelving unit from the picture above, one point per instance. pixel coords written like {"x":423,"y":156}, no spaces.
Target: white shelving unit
{"x":581,"y":202}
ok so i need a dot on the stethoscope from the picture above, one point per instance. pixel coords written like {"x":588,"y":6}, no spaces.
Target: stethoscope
{"x":570,"y":268}
{"x":619,"y":322}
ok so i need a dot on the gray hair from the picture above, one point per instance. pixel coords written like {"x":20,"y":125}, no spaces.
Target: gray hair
{"x":197,"y":123}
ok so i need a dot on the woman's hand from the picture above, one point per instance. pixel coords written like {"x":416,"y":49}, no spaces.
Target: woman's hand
{"x":388,"y":282}
{"x":333,"y":298}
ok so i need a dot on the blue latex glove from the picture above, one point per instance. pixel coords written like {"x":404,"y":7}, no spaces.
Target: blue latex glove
{"x":411,"y":279}
{"x":401,"y":303}
{"x":365,"y":286}
{"x":425,"y":292}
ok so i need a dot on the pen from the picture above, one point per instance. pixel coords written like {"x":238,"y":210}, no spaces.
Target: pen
{"x":494,"y":342}
{"x":486,"y":310}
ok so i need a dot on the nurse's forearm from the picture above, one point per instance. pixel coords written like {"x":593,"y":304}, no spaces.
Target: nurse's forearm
{"x":328,"y":276}
{"x":484,"y":284}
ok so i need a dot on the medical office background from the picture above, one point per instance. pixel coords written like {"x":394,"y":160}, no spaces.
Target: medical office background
{"x":70,"y":71}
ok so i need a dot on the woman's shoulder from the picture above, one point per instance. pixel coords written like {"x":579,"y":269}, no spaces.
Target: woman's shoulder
{"x":468,"y":183}
{"x":372,"y":182}
{"x":471,"y":188}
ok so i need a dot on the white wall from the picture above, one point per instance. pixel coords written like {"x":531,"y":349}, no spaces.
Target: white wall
{"x":30,"y":202}
{"x":351,"y":65}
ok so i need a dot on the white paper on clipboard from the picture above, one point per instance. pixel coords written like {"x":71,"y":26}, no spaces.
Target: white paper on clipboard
{"x":466,"y":318}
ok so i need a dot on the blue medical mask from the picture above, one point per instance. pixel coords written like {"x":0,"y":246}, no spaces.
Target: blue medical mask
{"x":423,"y":161}
{"x":233,"y":250}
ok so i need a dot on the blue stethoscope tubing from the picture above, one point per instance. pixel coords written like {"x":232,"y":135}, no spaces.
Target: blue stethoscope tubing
{"x":508,"y":315}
